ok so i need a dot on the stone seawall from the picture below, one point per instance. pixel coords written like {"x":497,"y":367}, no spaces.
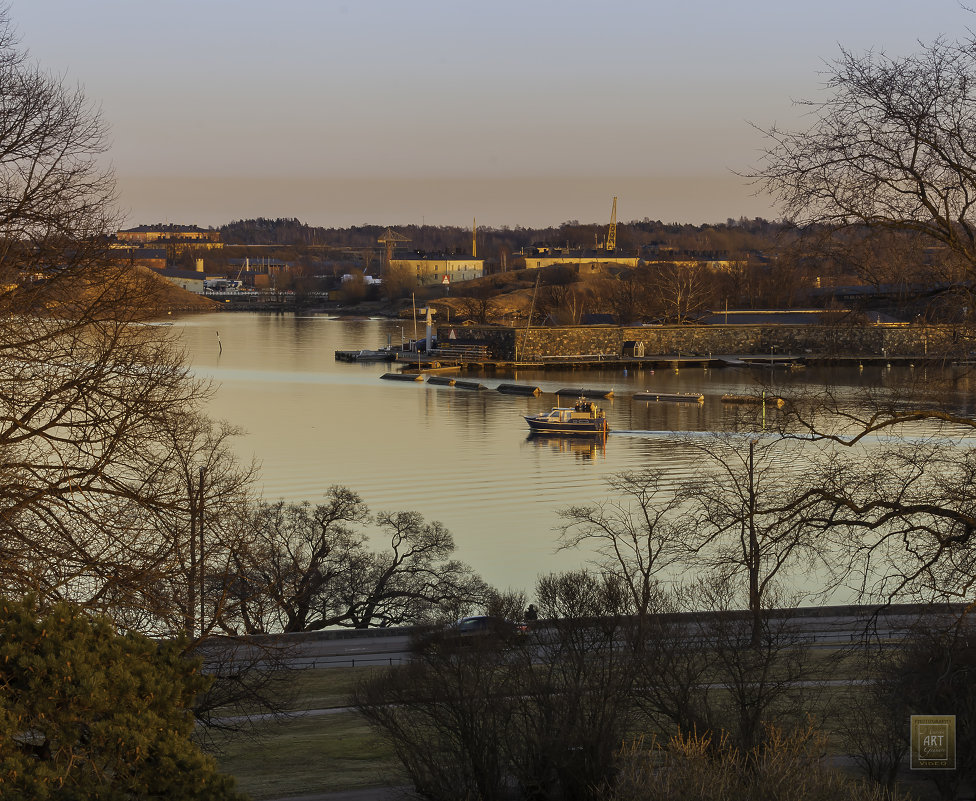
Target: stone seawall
{"x":933,"y":341}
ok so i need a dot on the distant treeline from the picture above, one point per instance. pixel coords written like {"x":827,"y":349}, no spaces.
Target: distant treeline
{"x":731,"y":237}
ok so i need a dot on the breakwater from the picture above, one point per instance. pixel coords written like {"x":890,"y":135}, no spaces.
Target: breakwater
{"x":813,"y":341}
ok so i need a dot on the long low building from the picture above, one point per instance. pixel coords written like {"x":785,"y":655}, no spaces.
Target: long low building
{"x":538,"y":258}
{"x":434,"y":269}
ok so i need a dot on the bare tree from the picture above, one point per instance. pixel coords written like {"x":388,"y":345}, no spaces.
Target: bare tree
{"x":753,"y":516}
{"x":680,"y":291}
{"x":889,"y":147}
{"x":563,"y":304}
{"x":534,"y":717}
{"x":307,"y":568}
{"x":88,"y":396}
{"x":742,"y":521}
{"x":637,"y":533}
{"x":478,"y":304}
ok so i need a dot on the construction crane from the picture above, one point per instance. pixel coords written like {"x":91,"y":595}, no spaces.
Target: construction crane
{"x":612,"y":233}
{"x":390,"y":239}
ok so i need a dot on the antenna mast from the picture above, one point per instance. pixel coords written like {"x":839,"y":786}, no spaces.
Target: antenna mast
{"x":612,"y":233}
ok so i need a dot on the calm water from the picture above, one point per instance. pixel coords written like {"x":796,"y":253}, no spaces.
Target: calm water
{"x":463,"y":458}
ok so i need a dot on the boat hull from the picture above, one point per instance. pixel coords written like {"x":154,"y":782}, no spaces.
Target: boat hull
{"x":583,"y":427}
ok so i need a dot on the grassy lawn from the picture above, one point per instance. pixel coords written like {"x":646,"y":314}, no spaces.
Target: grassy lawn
{"x":315,"y":753}
{"x":309,"y":755}
{"x":339,"y":751}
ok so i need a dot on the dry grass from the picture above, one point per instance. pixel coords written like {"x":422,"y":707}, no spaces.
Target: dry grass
{"x":314,"y":754}
{"x":787,"y":767}
{"x":332,"y":750}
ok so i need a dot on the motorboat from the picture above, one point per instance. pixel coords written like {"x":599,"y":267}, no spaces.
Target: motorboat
{"x":584,"y":417}
{"x":381,"y":355}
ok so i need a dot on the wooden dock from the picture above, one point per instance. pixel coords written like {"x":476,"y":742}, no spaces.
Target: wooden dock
{"x":586,"y":393}
{"x":670,"y":397}
{"x":518,"y":389}
{"x":403,"y":376}
{"x":755,"y":400}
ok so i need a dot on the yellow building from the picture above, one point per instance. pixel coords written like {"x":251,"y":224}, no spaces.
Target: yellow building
{"x":537,"y":258}
{"x":433,"y":269}
{"x":174,"y":239}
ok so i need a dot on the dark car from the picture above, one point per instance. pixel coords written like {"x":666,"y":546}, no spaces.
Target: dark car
{"x":474,"y":629}
{"x":485,"y":625}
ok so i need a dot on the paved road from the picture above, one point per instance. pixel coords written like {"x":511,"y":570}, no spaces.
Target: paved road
{"x":821,"y":628}
{"x":369,"y":794}
{"x":826,"y":628}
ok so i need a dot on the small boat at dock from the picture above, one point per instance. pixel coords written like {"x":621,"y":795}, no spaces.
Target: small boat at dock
{"x":584,"y":417}
{"x":381,"y":355}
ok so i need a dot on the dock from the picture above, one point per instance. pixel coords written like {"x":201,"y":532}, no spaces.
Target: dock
{"x":403,"y":376}
{"x":518,"y":389}
{"x":755,"y":400}
{"x":586,"y":393}
{"x":670,"y":397}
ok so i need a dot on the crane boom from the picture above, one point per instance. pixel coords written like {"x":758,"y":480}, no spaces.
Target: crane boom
{"x":612,"y":233}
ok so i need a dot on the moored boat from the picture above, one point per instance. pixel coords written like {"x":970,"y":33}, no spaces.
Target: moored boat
{"x":380,"y":355}
{"x":584,"y":417}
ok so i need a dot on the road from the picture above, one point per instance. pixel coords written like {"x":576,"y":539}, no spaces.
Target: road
{"x":824,"y":627}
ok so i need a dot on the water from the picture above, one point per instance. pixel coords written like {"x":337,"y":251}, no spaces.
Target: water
{"x":461,"y":457}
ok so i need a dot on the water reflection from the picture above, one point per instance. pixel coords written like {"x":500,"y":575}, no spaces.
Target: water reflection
{"x":582,"y":447}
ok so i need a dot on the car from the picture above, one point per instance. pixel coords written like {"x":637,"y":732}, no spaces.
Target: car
{"x":486,"y":625}
{"x":468,"y":630}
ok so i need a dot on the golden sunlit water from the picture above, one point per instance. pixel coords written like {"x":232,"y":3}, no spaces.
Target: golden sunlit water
{"x":464,"y":458}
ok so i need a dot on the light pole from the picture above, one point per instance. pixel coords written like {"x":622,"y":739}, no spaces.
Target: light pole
{"x":203,"y":472}
{"x":196,"y":558}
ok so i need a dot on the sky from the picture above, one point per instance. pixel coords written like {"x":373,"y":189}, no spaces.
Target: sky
{"x":388,"y":112}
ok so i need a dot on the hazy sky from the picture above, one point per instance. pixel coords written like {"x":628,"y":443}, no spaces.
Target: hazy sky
{"x":397,"y":111}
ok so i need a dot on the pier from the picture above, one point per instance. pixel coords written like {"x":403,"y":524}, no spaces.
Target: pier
{"x":424,"y":362}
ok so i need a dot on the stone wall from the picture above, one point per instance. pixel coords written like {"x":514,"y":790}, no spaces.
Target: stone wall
{"x":739,"y":340}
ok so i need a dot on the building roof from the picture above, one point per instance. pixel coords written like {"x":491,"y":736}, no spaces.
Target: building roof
{"x":414,"y":255}
{"x":176,"y":272}
{"x":169,"y":228}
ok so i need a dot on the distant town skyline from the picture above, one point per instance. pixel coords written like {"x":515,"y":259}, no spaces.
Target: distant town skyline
{"x":393,"y":113}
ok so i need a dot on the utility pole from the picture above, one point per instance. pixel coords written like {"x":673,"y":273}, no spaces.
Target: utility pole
{"x":203,"y":472}
{"x":196,"y":581}
{"x":753,"y":557}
